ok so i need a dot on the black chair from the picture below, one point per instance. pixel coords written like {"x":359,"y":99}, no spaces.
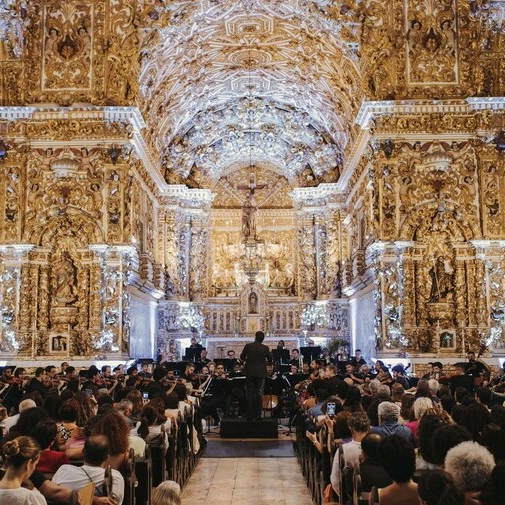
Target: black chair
{"x":374,"y":497}
{"x":129,"y":479}
{"x":359,"y":497}
{"x":143,"y":478}
{"x":158,"y":449}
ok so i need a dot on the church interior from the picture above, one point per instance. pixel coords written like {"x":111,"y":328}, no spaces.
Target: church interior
{"x":327,"y":172}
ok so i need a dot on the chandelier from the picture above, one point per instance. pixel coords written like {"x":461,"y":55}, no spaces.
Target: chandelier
{"x":251,"y":261}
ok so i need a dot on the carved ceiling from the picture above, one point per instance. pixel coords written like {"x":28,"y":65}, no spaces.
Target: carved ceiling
{"x":232,"y":83}
{"x":228,"y":84}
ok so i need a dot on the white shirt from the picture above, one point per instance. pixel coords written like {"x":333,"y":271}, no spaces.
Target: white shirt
{"x":21,"y":496}
{"x":76,"y":477}
{"x":137,"y":444}
{"x":351,"y":451}
{"x":9,"y":422}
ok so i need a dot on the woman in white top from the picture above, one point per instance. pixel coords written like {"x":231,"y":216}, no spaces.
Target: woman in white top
{"x":21,"y":456}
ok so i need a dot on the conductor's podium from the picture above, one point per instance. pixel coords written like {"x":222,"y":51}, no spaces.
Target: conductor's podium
{"x":234,"y":427}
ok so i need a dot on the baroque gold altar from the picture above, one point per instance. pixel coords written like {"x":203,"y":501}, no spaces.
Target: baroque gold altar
{"x":310,"y":169}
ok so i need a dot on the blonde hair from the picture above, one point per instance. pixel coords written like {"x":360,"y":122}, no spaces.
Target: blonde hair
{"x":167,"y":493}
{"x":20,"y":450}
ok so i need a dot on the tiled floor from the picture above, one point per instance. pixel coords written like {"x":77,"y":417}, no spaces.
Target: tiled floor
{"x":247,"y":481}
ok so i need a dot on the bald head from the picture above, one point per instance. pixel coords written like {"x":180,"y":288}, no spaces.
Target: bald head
{"x":96,"y":450}
{"x":26,"y":404}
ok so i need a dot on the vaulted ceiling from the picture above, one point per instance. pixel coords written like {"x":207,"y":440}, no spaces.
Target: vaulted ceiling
{"x":230,"y":84}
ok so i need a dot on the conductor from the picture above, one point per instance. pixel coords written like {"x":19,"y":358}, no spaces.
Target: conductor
{"x":256,"y":356}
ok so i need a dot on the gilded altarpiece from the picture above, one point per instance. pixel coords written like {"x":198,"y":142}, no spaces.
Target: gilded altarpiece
{"x":64,"y":267}
{"x":432,"y":212}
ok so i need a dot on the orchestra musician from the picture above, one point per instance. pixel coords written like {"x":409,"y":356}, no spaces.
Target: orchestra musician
{"x":295,"y":358}
{"x":272,"y":391}
{"x":477,"y":368}
{"x":39,"y":383}
{"x":144,"y":370}
{"x":203,"y":357}
{"x":357,"y":360}
{"x":217,"y":396}
{"x":497,"y":376}
{"x":7,"y":377}
{"x":325,"y":356}
{"x":12,"y":393}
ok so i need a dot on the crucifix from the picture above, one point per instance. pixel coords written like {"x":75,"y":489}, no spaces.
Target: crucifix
{"x":250,"y":208}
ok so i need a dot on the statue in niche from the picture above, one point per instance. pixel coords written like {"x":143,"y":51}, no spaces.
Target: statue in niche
{"x":446,"y":340}
{"x":63,"y":280}
{"x":253,"y":303}
{"x":441,"y":280}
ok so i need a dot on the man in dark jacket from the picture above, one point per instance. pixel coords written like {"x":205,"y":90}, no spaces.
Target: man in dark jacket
{"x":256,"y":356}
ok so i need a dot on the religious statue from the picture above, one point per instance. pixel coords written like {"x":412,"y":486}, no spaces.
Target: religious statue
{"x":446,"y":340}
{"x":63,"y":280}
{"x":441,"y":279}
{"x":249,"y":217}
{"x":253,"y":303}
{"x":59,"y":343}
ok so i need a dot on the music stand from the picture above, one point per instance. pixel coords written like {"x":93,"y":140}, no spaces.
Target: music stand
{"x":192,"y":354}
{"x":310,"y":353}
{"x":226,"y":362}
{"x":280,"y":356}
{"x":176,"y":366}
{"x":284,"y":368}
{"x":149,"y":361}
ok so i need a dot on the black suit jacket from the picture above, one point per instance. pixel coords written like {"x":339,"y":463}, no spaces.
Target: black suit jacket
{"x":256,"y":356}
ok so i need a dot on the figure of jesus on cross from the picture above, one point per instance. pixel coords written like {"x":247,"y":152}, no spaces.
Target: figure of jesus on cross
{"x":249,"y":210}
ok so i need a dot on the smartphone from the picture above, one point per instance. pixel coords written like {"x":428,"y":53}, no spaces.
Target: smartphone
{"x":330,"y":409}
{"x":89,"y":392}
{"x":145,"y":396}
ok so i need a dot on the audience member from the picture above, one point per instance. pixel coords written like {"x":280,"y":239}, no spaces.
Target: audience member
{"x":445,"y":437}
{"x":96,"y":454}
{"x":436,"y":487}
{"x":44,"y":433}
{"x":424,"y":455}
{"x":21,"y":456}
{"x":167,"y":493}
{"x":359,"y":424}
{"x":398,"y":458}
{"x":388,"y":422}
{"x":371,"y":470}
{"x":470,"y":465}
